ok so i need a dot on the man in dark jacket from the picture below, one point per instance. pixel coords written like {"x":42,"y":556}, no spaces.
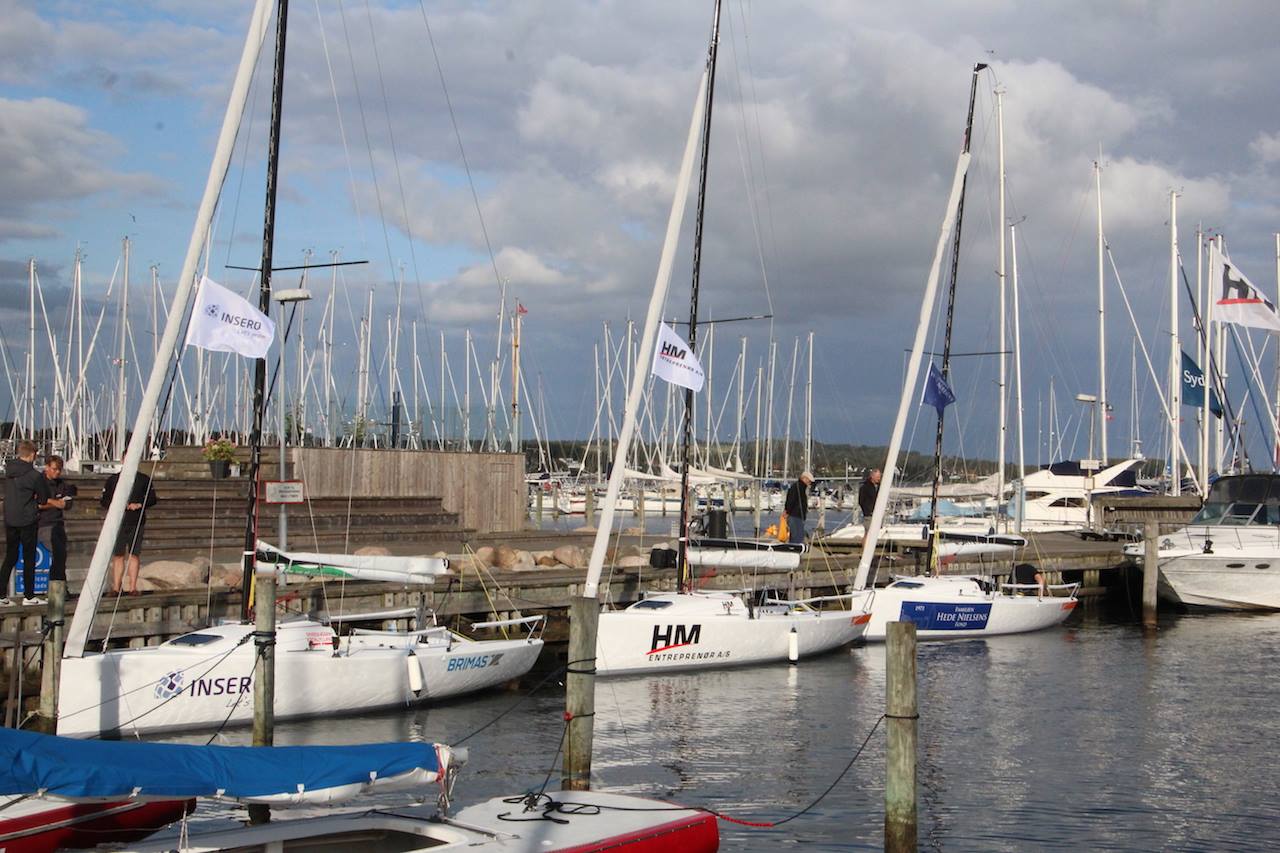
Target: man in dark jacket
{"x":24,"y":491}
{"x":796,"y":508}
{"x":129,"y":540}
{"x":867,"y":493}
{"x":53,"y":529}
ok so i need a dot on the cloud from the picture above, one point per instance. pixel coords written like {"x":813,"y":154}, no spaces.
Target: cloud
{"x":51,"y":158}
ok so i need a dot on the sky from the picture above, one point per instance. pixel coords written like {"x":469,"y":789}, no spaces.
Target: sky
{"x":551,"y":166}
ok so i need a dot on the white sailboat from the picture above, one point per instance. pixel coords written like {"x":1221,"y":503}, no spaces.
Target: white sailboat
{"x":689,"y":629}
{"x":201,"y":679}
{"x":947,"y":607}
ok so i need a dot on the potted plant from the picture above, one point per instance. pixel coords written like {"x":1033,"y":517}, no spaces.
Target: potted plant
{"x":219,"y":452}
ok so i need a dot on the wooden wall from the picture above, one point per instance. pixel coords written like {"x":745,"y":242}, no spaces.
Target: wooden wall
{"x":487,"y":490}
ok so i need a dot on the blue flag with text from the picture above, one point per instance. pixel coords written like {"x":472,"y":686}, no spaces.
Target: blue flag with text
{"x":937,"y":392}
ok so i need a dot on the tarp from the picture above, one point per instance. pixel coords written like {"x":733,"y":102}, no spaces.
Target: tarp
{"x":32,"y":763}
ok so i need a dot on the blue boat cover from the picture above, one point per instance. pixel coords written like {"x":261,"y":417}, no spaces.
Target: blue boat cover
{"x":97,"y":769}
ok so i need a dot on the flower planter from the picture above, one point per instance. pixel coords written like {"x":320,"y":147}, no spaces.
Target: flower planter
{"x":220,"y":469}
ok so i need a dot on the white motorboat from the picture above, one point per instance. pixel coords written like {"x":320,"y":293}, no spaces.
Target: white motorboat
{"x":949,"y":608}
{"x":1228,"y":557}
{"x":1059,"y":497}
{"x":672,"y":631}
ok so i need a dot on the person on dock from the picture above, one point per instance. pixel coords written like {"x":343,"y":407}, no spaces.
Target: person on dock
{"x":129,"y":540}
{"x":796,"y":508}
{"x":24,"y":491}
{"x":867,"y":493}
{"x":52,"y":524}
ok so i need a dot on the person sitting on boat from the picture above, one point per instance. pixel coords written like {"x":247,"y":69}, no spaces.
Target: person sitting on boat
{"x":796,"y":508}
{"x":1025,"y":573}
{"x":867,"y":497}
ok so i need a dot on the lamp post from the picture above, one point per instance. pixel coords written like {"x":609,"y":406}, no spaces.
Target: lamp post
{"x":286,"y":297}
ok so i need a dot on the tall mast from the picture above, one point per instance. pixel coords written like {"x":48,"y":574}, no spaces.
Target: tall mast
{"x":1175,"y":353}
{"x":1002,"y":450}
{"x":515,"y":379}
{"x":808,"y":412}
{"x":30,"y":425}
{"x":951,"y":310}
{"x":1017,"y":363}
{"x":1102,"y":326}
{"x":122,"y":379}
{"x":686,"y":431}
{"x":264,"y":305}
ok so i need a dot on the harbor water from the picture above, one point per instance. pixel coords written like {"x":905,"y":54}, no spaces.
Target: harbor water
{"x":1094,"y":736}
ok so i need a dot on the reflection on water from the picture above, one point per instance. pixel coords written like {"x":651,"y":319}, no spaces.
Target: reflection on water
{"x":1094,"y":736}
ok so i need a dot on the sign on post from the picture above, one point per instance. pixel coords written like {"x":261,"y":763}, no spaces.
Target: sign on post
{"x":283,"y":492}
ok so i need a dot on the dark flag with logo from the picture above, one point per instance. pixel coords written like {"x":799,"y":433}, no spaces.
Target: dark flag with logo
{"x":1193,"y":388}
{"x":937,"y":392}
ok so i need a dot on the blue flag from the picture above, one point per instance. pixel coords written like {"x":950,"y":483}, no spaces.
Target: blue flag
{"x":937,"y":392}
{"x":1193,"y":388}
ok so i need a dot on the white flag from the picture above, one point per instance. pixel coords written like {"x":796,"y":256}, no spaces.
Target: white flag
{"x":226,"y":322}
{"x":673,"y":361}
{"x":1238,"y":301}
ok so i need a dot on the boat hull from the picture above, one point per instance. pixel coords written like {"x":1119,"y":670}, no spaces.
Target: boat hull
{"x":953,"y":609}
{"x":33,"y":825}
{"x":1237,"y":580}
{"x":723,"y":634}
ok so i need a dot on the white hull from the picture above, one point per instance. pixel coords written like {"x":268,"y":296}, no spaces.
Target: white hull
{"x":952,"y":608}
{"x":188,"y":683}
{"x":697,"y":630}
{"x":1228,"y":579}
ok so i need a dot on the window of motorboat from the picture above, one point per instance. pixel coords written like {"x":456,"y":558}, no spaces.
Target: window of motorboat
{"x":1243,"y":500}
{"x":905,"y":585}
{"x":650,"y":604}
{"x":1078,"y":503}
{"x":1036,"y":495}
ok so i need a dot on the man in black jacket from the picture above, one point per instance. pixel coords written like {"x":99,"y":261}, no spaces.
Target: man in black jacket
{"x":796,"y":508}
{"x":867,"y":493}
{"x":53,"y":529}
{"x":24,"y":491}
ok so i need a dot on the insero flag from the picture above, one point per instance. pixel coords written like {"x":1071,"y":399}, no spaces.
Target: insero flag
{"x":937,"y":392}
{"x":227,"y":322}
{"x":1238,"y":301}
{"x":674,"y":362}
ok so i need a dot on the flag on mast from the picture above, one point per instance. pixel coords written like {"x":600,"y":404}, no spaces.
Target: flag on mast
{"x":223,"y":321}
{"x":675,"y":362}
{"x":1238,"y":301}
{"x":937,"y":392}
{"x":1193,"y":387}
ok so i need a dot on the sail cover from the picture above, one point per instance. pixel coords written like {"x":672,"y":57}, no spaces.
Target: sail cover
{"x":48,"y":765}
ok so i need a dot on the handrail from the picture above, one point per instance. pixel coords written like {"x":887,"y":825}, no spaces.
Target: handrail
{"x":1072,"y":587}
{"x":499,"y":623}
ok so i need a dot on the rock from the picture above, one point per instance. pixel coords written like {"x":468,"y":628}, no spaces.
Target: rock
{"x":586,"y":528}
{"x":631,"y":562}
{"x":372,"y":551}
{"x":505,"y":557}
{"x":484,"y":555}
{"x":203,"y":564}
{"x":633,"y":531}
{"x":171,"y":574}
{"x":545,"y":558}
{"x":524,"y":562}
{"x":571,"y":556}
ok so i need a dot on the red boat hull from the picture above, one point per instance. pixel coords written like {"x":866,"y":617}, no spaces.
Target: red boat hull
{"x":697,"y":834}
{"x":63,"y":825}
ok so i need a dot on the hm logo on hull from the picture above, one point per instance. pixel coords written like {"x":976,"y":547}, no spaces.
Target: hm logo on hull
{"x":674,"y":636}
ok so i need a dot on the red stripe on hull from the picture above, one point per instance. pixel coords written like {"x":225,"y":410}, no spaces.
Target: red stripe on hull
{"x":698,"y":834}
{"x":88,"y":825}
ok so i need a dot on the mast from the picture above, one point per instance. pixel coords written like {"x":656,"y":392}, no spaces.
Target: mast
{"x":1002,"y":450}
{"x":1102,"y":327}
{"x":30,"y":425}
{"x":264,"y":305}
{"x":1202,"y":353}
{"x":1017,"y":370}
{"x":808,"y":411}
{"x":951,"y":310}
{"x":1175,"y":354}
{"x":91,"y":593}
{"x":515,"y":378}
{"x":122,"y":379}
{"x":686,"y":431}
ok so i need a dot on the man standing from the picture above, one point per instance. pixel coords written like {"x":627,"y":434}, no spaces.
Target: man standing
{"x":867,"y":497}
{"x":129,"y":539}
{"x":53,"y":529}
{"x":796,"y":508}
{"x":24,"y":491}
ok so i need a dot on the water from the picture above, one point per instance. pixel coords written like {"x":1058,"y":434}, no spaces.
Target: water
{"x":1092,"y":736}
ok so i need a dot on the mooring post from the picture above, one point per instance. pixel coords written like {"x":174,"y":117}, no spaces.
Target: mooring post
{"x":901,"y":716}
{"x":755,"y":506}
{"x":1150,"y":572}
{"x":589,"y":505}
{"x":640,"y":505}
{"x":538,"y":501}
{"x":580,"y":694}
{"x":51,"y":667}
{"x":264,"y":671}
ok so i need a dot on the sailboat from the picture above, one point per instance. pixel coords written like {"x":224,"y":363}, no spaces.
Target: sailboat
{"x":689,"y":629}
{"x":948,"y":607}
{"x":203,"y":678}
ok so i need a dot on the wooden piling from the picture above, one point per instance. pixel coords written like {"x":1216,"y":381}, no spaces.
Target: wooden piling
{"x":755,"y":506}
{"x":264,"y":671}
{"x":1150,"y":571}
{"x":901,"y":717}
{"x":640,"y":505}
{"x":51,"y":666}
{"x":589,"y":505}
{"x":538,"y":501}
{"x":580,"y":700}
